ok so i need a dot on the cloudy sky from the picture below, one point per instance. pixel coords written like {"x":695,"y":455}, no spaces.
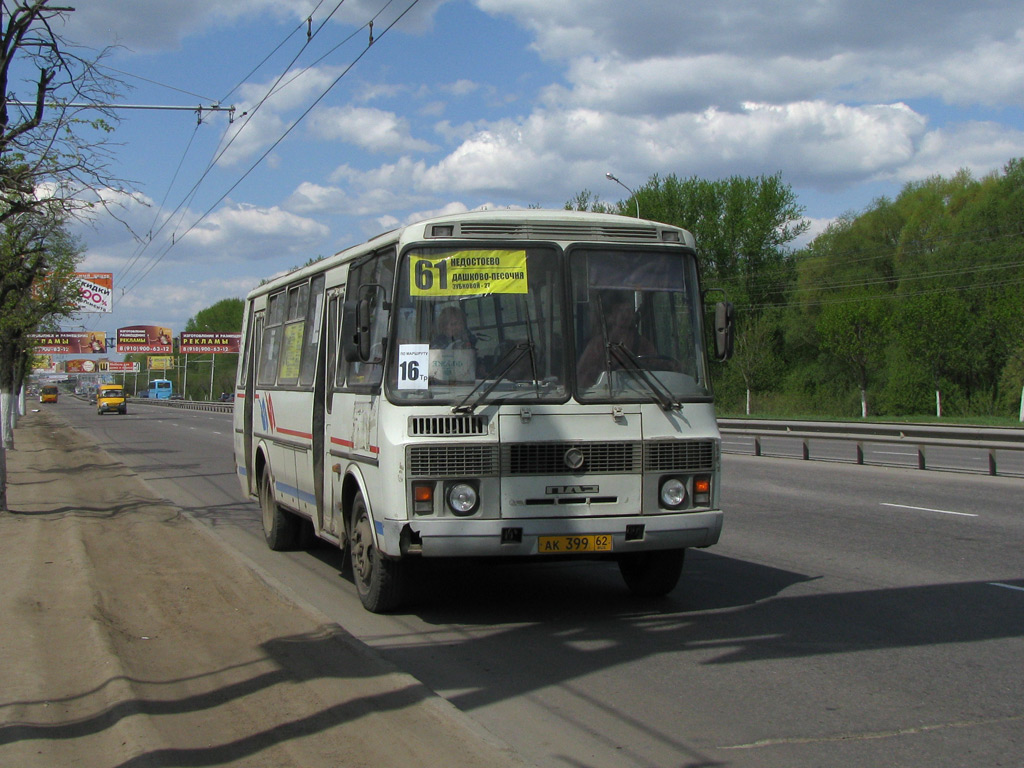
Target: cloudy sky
{"x":460,"y":104}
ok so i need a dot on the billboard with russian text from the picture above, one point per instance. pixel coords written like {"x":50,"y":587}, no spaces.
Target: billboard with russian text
{"x":70,"y":342}
{"x":96,"y":291}
{"x":191,"y":343}
{"x":147,"y":339}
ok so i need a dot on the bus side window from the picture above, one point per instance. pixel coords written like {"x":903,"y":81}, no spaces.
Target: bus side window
{"x":272,"y":333}
{"x":379,"y":271}
{"x":311,"y":342}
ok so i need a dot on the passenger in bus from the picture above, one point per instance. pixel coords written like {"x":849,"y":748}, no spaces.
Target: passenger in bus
{"x":620,"y":326}
{"x":452,"y":331}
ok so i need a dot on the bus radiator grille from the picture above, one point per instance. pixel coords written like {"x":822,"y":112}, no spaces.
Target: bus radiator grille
{"x":550,"y":458}
{"x":679,"y":456}
{"x":453,"y":460}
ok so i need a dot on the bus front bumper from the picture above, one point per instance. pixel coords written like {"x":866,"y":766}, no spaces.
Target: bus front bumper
{"x":520,"y":537}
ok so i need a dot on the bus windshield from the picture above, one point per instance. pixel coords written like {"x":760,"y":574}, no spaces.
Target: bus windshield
{"x":637,"y":326}
{"x":476,"y":325}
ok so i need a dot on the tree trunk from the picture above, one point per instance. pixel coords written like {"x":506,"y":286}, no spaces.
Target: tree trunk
{"x":7,"y":415}
{"x":3,"y":479}
{"x":6,"y":441}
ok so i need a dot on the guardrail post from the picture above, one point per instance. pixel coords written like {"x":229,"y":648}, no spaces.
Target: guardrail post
{"x":806,"y":449}
{"x":920,"y":457}
{"x":860,"y":453}
{"x":757,"y":446}
{"x":992,"y":462}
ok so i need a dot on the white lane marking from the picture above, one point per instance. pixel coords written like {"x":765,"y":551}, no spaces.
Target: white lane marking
{"x":1005,"y":586}
{"x":929,"y":509}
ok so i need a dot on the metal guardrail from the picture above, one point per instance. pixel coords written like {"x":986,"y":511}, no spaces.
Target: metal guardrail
{"x":918,"y":436}
{"x":188,"y":405}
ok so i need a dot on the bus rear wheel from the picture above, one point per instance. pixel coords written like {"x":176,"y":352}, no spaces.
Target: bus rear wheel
{"x":380,"y":581}
{"x":652,"y":574}
{"x":280,"y":528}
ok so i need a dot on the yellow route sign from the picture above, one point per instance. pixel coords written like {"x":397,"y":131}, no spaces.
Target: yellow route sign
{"x":468,"y":273}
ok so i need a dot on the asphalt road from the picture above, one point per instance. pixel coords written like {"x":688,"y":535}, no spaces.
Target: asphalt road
{"x":850,"y":616}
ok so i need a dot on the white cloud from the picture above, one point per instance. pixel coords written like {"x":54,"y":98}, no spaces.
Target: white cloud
{"x":626,"y":56}
{"x":981,"y":147}
{"x":559,"y":152}
{"x":462,"y":87}
{"x":252,"y":233}
{"x":371,"y":129}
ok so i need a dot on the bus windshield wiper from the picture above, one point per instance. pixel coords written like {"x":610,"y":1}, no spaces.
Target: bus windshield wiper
{"x":631,"y":364}
{"x":499,"y":372}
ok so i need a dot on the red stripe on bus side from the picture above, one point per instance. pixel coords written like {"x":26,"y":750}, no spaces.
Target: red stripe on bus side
{"x":350,"y":444}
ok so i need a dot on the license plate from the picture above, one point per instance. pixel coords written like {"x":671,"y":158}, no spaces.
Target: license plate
{"x":560,"y":545}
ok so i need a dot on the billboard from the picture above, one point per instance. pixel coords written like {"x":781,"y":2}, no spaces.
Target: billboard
{"x":81,"y":366}
{"x":113,"y":366}
{"x":206,"y":343}
{"x":159,"y":363}
{"x":148,"y":339}
{"x":70,"y":343}
{"x":97,"y":291}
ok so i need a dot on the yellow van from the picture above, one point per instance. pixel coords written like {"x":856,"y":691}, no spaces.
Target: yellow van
{"x":48,"y":394}
{"x":111,"y":397}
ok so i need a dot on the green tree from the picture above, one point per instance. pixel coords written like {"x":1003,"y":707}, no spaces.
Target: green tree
{"x":37,"y":284}
{"x":586,"y":200}
{"x":854,"y":334}
{"x":755,"y":356}
{"x":53,"y":166}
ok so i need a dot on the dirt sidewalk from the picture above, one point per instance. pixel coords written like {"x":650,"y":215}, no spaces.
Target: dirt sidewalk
{"x":131,"y":637}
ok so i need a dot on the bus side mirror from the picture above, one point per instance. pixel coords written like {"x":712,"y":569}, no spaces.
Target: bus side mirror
{"x":724,"y":330}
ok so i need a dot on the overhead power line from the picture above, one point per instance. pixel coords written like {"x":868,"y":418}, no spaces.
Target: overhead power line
{"x":175,"y":239}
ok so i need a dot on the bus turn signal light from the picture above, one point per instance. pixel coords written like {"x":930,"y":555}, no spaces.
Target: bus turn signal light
{"x":423,"y":498}
{"x":702,"y":490}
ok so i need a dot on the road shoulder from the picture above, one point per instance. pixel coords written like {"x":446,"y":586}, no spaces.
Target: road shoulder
{"x":140,"y":640}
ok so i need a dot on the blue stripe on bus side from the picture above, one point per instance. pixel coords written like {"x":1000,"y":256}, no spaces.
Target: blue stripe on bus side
{"x":291,"y":490}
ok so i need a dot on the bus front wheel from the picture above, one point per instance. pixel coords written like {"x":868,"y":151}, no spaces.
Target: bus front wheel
{"x":280,"y":529}
{"x":652,"y":574}
{"x":379,"y":580}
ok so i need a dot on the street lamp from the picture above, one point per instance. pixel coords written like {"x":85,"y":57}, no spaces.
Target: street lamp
{"x":612,"y":177}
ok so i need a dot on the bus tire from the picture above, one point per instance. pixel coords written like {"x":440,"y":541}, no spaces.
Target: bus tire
{"x":379,"y":580}
{"x":280,"y":528}
{"x":652,"y":574}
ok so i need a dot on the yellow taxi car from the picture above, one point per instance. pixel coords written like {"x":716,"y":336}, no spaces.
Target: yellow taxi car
{"x":111,"y":397}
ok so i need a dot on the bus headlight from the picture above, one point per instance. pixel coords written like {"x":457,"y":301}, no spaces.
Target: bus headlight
{"x":462,"y":498}
{"x":673,"y":493}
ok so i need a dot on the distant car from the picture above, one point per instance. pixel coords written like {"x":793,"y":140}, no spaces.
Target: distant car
{"x":227,"y":397}
{"x":176,"y":397}
{"x":111,"y":397}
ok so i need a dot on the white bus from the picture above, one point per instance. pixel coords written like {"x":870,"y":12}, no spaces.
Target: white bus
{"x":528,"y":384}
